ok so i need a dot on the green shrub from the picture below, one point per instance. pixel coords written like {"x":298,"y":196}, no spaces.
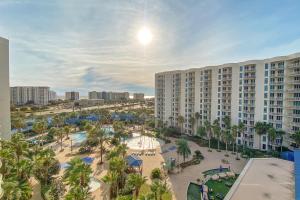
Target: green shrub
{"x":156,"y":174}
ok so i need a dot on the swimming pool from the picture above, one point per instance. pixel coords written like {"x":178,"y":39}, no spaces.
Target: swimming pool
{"x":81,"y":136}
{"x":78,"y":137}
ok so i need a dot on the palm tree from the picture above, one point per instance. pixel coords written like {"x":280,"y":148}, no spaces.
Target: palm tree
{"x":272,"y":136}
{"x":208,"y":132}
{"x":201,"y":131}
{"x":197,"y":117}
{"x":18,"y":123}
{"x":296,"y":138}
{"x":60,"y":135}
{"x":16,"y":190}
{"x":40,"y":127}
{"x":241,"y":130}
{"x":227,"y":122}
{"x":181,"y":121}
{"x":44,"y":164}
{"x":136,"y":181}
{"x":261,"y":129}
{"x":183,"y":148}
{"x":78,"y":193}
{"x":226,"y":137}
{"x":67,"y":131}
{"x":158,"y":188}
{"x":192,"y":122}
{"x":234,"y":133}
{"x":19,"y":146}
{"x":281,"y":133}
{"x":111,"y":178}
{"x":118,"y":165}
{"x":217,"y":132}
{"x":77,"y":174}
{"x":99,"y":134}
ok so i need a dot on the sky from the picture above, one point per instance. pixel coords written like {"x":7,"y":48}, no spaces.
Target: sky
{"x":86,"y":45}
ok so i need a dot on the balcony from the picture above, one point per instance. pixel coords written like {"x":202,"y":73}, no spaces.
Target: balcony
{"x":292,"y":98}
{"x":294,"y":65}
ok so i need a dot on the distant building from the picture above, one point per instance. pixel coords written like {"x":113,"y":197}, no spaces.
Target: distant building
{"x":72,"y":96}
{"x":138,"y":96}
{"x":52,"y":96}
{"x":89,"y":102}
{"x":109,"y":96}
{"x":5,"y":127}
{"x":95,"y":95}
{"x":21,"y":95}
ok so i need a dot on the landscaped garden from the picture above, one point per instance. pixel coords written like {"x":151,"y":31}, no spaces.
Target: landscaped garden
{"x":219,"y":188}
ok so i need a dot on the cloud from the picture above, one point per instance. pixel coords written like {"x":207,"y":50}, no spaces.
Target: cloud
{"x":71,"y":45}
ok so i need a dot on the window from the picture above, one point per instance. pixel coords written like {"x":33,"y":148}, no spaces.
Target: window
{"x":266,"y":66}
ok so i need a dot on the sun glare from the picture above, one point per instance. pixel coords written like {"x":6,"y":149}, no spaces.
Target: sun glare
{"x":144,"y":36}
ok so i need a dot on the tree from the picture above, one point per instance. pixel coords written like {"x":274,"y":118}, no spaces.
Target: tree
{"x":111,"y":178}
{"x":18,"y":123}
{"x":226,"y":138}
{"x":241,"y":130}
{"x":183,"y":148}
{"x":192,"y":122}
{"x":40,"y":127}
{"x":156,"y":174}
{"x":234,"y":134}
{"x":181,"y":121}
{"x":197,"y":117}
{"x":158,"y":188}
{"x":296,"y":138}
{"x":272,"y":136}
{"x":99,"y":134}
{"x":45,"y":166}
{"x":67,"y":131}
{"x":227,"y":122}
{"x":217,"y":132}
{"x":78,"y":173}
{"x":77,"y":177}
{"x":201,"y":131}
{"x":261,"y":128}
{"x":136,"y":181}
{"x":60,"y":135}
{"x":208,"y":132}
{"x":280,"y":133}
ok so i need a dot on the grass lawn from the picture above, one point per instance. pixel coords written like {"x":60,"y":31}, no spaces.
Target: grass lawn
{"x":193,"y":192}
{"x":219,"y":187}
{"x":145,"y":189}
{"x":215,"y":171}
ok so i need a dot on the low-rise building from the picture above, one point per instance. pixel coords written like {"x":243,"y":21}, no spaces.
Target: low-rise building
{"x":89,"y":102}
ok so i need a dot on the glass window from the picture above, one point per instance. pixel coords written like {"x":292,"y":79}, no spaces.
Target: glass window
{"x":266,"y":66}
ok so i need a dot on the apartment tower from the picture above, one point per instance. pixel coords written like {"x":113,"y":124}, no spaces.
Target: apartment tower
{"x":257,"y":90}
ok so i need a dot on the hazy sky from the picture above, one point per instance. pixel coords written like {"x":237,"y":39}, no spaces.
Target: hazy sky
{"x":92,"y":44}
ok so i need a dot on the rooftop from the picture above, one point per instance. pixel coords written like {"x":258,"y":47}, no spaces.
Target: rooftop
{"x":264,"y":178}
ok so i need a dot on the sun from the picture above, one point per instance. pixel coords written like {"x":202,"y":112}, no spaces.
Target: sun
{"x":145,"y":36}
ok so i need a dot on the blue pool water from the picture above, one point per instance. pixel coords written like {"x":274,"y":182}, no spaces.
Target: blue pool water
{"x":81,"y":136}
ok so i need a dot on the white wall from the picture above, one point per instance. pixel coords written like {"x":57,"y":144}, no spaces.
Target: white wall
{"x":5,"y":127}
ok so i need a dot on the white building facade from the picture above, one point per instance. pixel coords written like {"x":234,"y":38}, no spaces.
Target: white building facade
{"x":73,"y":96}
{"x":5,"y":127}
{"x":21,"y":95}
{"x":257,"y":90}
{"x":138,"y":96}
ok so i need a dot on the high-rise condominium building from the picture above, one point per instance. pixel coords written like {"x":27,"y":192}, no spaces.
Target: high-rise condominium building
{"x":95,"y":95}
{"x":109,"y":96}
{"x":21,"y":95}
{"x":52,"y":96}
{"x":138,"y":96}
{"x":4,"y":89}
{"x":257,"y":90}
{"x":72,"y":96}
